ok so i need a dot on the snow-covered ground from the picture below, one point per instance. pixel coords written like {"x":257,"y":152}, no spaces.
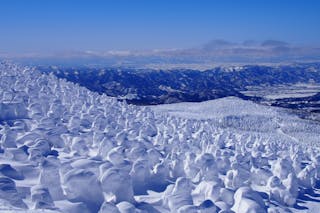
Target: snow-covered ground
{"x":298,"y":90}
{"x":66,"y":149}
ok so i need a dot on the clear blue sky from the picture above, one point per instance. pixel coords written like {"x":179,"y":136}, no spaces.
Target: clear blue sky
{"x":59,"y":25}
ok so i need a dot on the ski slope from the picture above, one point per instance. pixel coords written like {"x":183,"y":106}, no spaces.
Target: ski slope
{"x":67,"y":149}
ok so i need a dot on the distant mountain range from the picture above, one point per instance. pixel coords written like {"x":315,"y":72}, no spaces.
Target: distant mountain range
{"x":150,"y":87}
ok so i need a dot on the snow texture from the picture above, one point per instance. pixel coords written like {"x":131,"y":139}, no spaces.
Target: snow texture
{"x":64,"y":148}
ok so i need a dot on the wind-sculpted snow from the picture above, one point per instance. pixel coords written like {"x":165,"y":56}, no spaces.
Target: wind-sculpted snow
{"x":67,"y":149}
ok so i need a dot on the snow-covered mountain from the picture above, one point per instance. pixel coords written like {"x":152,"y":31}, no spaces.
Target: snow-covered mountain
{"x":65,"y":148}
{"x":294,"y":86}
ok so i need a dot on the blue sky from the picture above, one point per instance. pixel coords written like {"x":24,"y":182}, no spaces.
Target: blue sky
{"x":69,"y":25}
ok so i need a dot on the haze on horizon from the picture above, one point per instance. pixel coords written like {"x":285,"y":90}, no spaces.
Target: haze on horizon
{"x":44,"y":27}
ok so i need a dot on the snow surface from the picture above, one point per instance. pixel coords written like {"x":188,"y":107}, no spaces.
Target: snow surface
{"x":298,"y":90}
{"x":67,"y":149}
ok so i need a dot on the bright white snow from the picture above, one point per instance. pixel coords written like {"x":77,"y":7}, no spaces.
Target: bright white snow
{"x":66,"y":149}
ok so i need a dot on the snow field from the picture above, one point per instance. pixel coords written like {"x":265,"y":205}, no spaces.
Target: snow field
{"x":66,"y":149}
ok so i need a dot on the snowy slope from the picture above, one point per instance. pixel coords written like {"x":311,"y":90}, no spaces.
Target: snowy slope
{"x":216,"y":109}
{"x":67,"y":149}
{"x":236,"y":115}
